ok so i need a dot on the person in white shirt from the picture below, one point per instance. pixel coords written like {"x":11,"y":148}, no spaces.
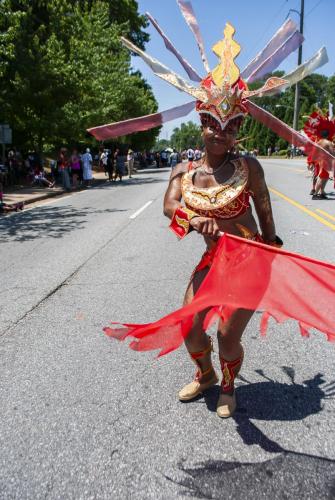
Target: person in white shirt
{"x":173,"y":159}
{"x":87,"y":161}
{"x":197,"y":153}
{"x":103,"y":160}
{"x":190,"y":154}
{"x":130,"y":162}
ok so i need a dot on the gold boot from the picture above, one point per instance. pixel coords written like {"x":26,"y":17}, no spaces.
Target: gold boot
{"x":227,"y":400}
{"x":203,"y":379}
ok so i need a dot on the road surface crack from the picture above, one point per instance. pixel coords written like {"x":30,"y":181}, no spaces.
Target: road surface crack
{"x":65,"y":282}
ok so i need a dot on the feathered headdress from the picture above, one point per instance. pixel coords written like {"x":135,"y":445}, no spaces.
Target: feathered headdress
{"x":319,"y":126}
{"x":222,"y":94}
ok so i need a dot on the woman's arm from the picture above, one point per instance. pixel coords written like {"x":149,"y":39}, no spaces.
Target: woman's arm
{"x":261,"y":198}
{"x":172,"y":198}
{"x":182,"y":216}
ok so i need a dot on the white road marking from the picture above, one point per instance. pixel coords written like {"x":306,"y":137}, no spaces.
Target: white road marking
{"x":140,"y":210}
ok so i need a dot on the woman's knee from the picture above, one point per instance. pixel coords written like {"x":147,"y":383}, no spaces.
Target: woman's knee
{"x":234,"y":327}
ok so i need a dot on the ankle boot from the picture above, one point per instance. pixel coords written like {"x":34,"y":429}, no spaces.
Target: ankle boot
{"x":227,"y":400}
{"x":203,"y":379}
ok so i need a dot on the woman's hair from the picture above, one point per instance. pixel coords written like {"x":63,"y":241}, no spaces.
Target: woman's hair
{"x":63,"y":152}
{"x":324,"y":134}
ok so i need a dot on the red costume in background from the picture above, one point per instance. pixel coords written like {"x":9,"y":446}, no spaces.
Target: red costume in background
{"x":318,"y":127}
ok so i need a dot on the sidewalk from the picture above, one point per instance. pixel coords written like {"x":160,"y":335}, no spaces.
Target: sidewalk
{"x":30,"y":195}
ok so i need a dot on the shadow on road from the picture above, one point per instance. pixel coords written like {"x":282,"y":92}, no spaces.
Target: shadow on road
{"x":283,"y":475}
{"x":137,"y":181}
{"x":46,"y":222}
{"x":271,"y":400}
{"x":289,"y":475}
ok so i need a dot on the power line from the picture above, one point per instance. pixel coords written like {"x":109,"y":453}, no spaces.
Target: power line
{"x":315,"y":6}
{"x":274,"y":17}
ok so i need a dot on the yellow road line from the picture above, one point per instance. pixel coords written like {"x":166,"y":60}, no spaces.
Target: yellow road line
{"x":304,"y":209}
{"x":296,"y":169}
{"x":289,"y":168}
{"x":326,"y":214}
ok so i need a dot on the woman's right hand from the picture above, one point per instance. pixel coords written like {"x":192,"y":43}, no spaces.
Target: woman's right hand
{"x":206,"y":226}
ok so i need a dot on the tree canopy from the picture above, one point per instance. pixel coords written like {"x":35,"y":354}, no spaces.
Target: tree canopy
{"x":315,"y":92}
{"x":63,"y":69}
{"x":188,"y":135}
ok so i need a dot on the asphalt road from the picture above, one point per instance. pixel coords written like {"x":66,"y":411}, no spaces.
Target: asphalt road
{"x":82,"y":416}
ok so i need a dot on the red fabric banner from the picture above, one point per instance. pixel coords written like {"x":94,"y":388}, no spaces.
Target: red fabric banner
{"x":118,"y":129}
{"x":310,"y":148}
{"x":251,"y":275}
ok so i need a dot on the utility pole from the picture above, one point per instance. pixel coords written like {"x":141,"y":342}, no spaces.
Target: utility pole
{"x":297,"y":87}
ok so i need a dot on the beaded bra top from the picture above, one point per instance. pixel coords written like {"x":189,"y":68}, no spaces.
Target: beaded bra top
{"x":225,"y":201}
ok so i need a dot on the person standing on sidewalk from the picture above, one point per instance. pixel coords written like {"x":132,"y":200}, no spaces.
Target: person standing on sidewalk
{"x":87,"y":167}
{"x":103,"y":160}
{"x":75,"y":168}
{"x":110,"y":166}
{"x":119,"y":164}
{"x":197,"y":153}
{"x":173,"y":159}
{"x":64,"y":167}
{"x":130,"y":162}
{"x":190,"y":154}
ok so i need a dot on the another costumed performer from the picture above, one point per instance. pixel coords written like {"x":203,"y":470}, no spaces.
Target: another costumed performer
{"x":239,"y":271}
{"x":321,"y":130}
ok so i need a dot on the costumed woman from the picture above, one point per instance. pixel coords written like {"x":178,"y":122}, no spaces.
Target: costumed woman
{"x":216,"y":193}
{"x":238,"y":273}
{"x":320,"y":129}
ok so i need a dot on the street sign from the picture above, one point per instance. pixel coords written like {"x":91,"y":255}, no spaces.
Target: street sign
{"x":5,"y":134}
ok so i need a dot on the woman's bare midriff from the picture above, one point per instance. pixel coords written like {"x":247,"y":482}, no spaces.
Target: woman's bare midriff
{"x":230,"y":226}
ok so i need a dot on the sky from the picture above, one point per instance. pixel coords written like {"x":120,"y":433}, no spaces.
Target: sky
{"x":255,"y":22}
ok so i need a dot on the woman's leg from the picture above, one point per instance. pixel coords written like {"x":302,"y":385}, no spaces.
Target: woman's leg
{"x":231,"y":358}
{"x":198,"y":346}
{"x":197,"y":339}
{"x":75,"y":180}
{"x":230,"y":333}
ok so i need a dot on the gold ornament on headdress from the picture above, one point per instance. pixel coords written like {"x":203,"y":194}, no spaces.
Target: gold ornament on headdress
{"x":226,"y":72}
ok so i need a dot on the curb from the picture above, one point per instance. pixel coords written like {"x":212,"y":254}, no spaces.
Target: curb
{"x":96,"y":182}
{"x":52,"y":194}
{"x":42,"y":197}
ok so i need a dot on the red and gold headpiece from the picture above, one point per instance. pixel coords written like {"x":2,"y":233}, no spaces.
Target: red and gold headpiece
{"x":223,"y":85}
{"x":222,"y":94}
{"x":319,"y":126}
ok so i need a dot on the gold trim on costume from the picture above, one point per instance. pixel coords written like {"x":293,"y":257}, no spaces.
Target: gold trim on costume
{"x":217,"y":201}
{"x":183,"y":223}
{"x":226,"y":73}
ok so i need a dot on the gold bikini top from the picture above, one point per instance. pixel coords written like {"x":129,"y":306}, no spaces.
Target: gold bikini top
{"x":225,"y":201}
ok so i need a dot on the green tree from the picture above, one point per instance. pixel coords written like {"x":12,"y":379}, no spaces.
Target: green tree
{"x":124,"y":13}
{"x":64,"y":70}
{"x":316,"y":90}
{"x":330,"y":95}
{"x":162,"y":144}
{"x":188,"y":135}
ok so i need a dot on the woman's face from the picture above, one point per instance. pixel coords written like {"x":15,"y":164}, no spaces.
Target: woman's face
{"x":218,"y":141}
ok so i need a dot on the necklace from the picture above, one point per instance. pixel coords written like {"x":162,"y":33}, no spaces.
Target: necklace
{"x":225,"y":161}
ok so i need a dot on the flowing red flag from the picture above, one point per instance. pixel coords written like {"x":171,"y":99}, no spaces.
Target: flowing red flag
{"x":250,"y":275}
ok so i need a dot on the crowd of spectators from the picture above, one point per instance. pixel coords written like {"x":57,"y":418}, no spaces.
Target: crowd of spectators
{"x":74,"y":169}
